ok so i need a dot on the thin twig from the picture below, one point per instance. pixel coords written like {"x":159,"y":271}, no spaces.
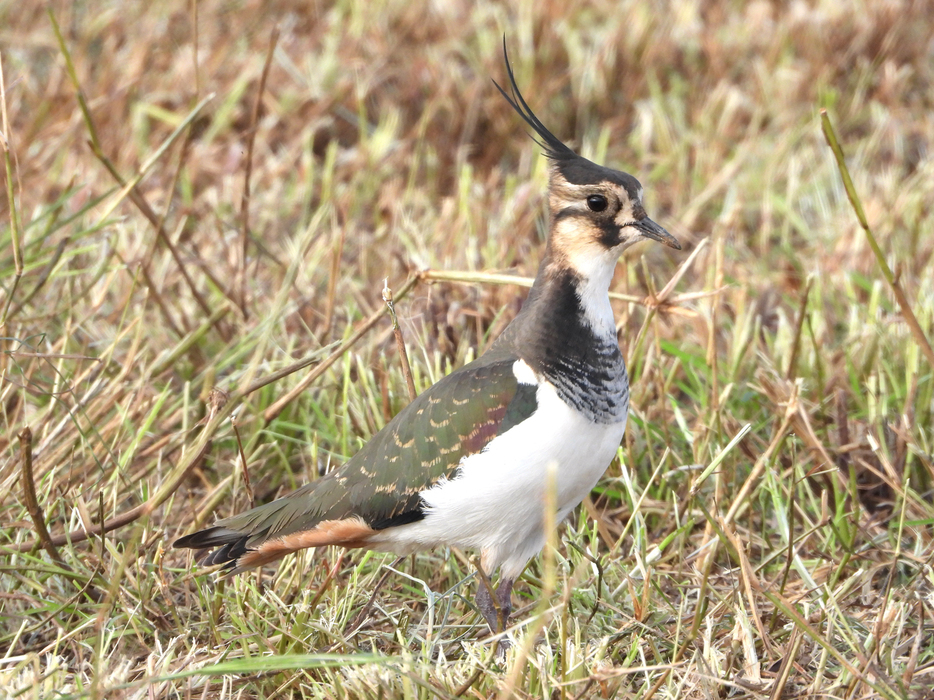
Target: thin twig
{"x":333,"y":277}
{"x":52,"y":355}
{"x":44,"y":274}
{"x":912,"y":664}
{"x":328,"y":579}
{"x":740,"y":501}
{"x":660,"y":300}
{"x":139,"y":200}
{"x":189,"y":341}
{"x":791,"y":371}
{"x":851,"y":193}
{"x":788,"y":663}
{"x":286,"y":371}
{"x":6,"y":139}
{"x":32,"y":503}
{"x":400,"y":342}
{"x":596,"y":562}
{"x":878,"y":682}
{"x":251,"y":139}
{"x":790,"y":554}
{"x":128,"y":188}
{"x":475,"y":676}
{"x":243,"y":466}
{"x":365,"y":328}
{"x":360,"y":618}
{"x":175,"y":478}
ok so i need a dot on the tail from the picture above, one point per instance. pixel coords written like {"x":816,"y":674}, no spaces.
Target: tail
{"x":249,"y":540}
{"x":231,"y":547}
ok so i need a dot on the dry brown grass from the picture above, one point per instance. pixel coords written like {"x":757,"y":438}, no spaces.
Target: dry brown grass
{"x":800,"y":565}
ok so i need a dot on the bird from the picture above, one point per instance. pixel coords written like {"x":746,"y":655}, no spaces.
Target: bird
{"x":473,"y":461}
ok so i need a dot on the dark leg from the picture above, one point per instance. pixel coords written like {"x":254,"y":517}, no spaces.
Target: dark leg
{"x":495,"y":608}
{"x":504,"y":598}
{"x":486,"y":603}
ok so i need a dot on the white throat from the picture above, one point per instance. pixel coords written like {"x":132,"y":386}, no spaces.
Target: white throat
{"x":596,"y":273}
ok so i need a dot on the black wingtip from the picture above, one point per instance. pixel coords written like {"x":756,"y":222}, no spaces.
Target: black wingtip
{"x":555,"y":149}
{"x":230,"y":545}
{"x":209,"y":537}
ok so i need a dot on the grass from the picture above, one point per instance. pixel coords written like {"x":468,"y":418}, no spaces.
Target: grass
{"x":767,"y":530}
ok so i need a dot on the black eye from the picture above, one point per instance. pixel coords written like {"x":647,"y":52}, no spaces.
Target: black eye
{"x":596,"y":202}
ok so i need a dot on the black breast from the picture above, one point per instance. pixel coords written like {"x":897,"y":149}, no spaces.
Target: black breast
{"x":554,"y":337}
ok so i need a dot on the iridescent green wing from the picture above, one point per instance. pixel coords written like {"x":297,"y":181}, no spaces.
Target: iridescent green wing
{"x":425,"y":442}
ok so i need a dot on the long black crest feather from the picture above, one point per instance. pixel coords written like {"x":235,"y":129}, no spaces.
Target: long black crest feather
{"x":554,"y":148}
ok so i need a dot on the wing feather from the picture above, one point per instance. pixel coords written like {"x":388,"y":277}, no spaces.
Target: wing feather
{"x":382,"y":483}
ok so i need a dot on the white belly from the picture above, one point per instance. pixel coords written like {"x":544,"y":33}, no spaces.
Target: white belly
{"x":496,"y":502}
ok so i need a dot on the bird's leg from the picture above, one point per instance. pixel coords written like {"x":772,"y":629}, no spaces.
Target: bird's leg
{"x":504,"y":598}
{"x":488,"y":602}
{"x":495,"y":606}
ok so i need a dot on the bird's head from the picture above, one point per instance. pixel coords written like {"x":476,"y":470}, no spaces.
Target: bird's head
{"x":596,"y":212}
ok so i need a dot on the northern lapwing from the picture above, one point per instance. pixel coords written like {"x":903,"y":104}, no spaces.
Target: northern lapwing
{"x":469,"y":462}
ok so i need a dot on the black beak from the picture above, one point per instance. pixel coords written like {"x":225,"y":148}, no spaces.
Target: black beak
{"x":650,"y":229}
